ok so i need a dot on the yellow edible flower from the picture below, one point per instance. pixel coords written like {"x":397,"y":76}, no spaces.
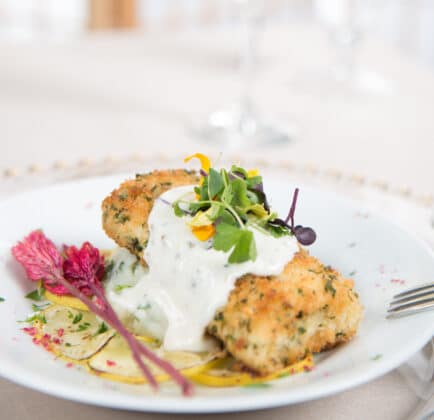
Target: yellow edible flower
{"x":203,"y":233}
{"x":252,"y":172}
{"x":204,"y":161}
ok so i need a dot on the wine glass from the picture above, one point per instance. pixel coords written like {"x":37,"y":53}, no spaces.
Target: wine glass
{"x":240,"y":124}
{"x":343,"y":20}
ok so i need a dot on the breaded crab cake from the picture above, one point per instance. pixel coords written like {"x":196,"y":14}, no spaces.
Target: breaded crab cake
{"x":271,"y":322}
{"x":126,"y":210}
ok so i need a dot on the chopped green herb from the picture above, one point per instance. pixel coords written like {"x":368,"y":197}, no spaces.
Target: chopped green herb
{"x":377,"y":357}
{"x":329,"y":287}
{"x":119,"y":287}
{"x":83,"y":327}
{"x":36,"y":317}
{"x":353,"y":273}
{"x":77,"y":318}
{"x":134,"y":266}
{"x":102,"y":328}
{"x":121,"y":216}
{"x":110,"y":264}
{"x":37,"y":308}
{"x":2,"y":299}
{"x":219,"y":316}
{"x":37,"y":294}
{"x":135,"y":244}
{"x":144,"y":307}
{"x":123,"y":195}
{"x":301,"y":330}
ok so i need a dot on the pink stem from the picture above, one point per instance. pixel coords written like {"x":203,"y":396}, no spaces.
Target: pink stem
{"x":161,"y":363}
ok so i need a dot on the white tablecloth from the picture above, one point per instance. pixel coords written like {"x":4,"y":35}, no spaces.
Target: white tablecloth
{"x":132,"y":95}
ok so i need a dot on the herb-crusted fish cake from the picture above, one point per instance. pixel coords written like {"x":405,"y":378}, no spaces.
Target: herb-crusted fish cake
{"x":271,"y":322}
{"x":126,"y":210}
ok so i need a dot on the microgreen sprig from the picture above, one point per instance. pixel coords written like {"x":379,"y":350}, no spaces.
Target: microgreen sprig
{"x":231,"y":202}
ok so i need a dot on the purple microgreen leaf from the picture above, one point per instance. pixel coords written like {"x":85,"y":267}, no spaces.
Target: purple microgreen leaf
{"x":305,"y":235}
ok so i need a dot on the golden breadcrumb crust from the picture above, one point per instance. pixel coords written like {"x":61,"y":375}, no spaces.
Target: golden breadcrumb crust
{"x":271,"y":322}
{"x":126,"y":210}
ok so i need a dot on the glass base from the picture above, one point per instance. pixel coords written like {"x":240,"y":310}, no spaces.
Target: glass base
{"x":237,"y":126}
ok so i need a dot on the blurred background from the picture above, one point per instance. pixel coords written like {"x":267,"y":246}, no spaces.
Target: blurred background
{"x":407,"y":24}
{"x":345,"y":86}
{"x":338,"y":94}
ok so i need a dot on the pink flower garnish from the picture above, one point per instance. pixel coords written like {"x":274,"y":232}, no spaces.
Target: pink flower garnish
{"x":83,"y":267}
{"x":80,"y":274}
{"x":39,"y":257}
{"x":110,"y":363}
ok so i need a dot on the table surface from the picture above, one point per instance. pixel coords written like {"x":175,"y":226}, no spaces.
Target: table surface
{"x":130,"y":95}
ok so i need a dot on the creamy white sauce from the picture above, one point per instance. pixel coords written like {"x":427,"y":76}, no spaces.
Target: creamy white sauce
{"x":187,"y":280}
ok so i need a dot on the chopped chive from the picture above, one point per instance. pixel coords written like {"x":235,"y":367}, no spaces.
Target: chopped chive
{"x":102,"y":328}
{"x":77,"y":318}
{"x":37,"y":294}
{"x":119,"y":287}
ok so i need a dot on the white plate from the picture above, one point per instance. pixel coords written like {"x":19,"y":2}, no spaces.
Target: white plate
{"x":384,"y":258}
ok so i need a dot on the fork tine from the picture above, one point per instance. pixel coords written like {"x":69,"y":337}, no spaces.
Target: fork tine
{"x":421,"y":305}
{"x":413,"y":297}
{"x":424,"y":287}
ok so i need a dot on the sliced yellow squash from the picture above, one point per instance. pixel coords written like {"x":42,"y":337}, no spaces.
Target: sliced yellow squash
{"x":220,"y":373}
{"x":115,"y":362}
{"x":71,"y":333}
{"x":66,"y":300}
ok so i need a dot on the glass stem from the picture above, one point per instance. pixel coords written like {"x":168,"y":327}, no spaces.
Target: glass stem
{"x":345,"y":63}
{"x":344,"y":38}
{"x":250,"y":12}
{"x":246,"y":59}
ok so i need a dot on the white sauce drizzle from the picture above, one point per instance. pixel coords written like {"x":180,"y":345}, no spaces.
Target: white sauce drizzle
{"x":187,"y":279}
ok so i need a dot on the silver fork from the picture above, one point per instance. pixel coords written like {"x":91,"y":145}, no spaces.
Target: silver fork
{"x":412,"y":301}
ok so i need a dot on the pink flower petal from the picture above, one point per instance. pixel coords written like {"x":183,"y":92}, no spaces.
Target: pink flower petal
{"x":39,"y":257}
